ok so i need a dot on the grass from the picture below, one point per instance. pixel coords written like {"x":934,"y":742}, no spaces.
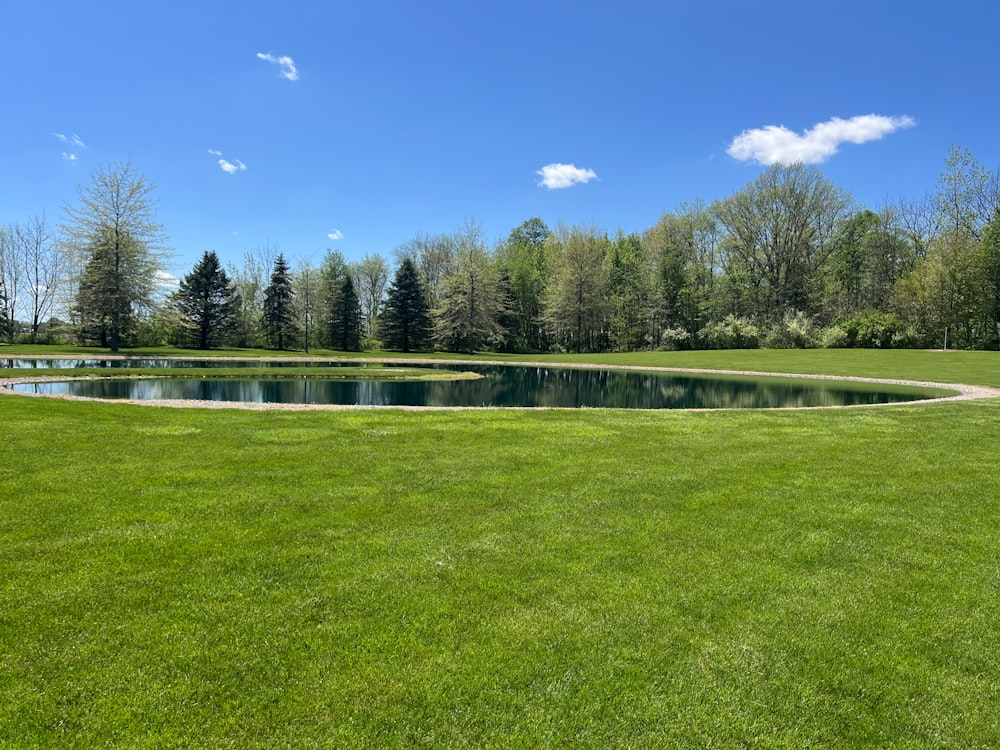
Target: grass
{"x":595,"y":578}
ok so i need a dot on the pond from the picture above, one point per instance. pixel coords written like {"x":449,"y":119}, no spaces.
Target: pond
{"x":498,"y":386}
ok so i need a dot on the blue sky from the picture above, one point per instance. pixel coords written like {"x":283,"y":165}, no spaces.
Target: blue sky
{"x":376,"y":121}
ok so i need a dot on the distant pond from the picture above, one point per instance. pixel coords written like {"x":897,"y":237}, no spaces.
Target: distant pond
{"x":499,"y":386}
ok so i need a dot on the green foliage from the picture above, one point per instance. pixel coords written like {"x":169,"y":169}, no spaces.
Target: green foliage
{"x":116,"y":284}
{"x":576,"y":299}
{"x":942,"y":296}
{"x":206,"y":303}
{"x":114,"y":234}
{"x":990,"y":281}
{"x":781,"y":233}
{"x":796,"y":330}
{"x":968,"y":195}
{"x":472,"y":300}
{"x":405,"y":323}
{"x":250,"y":280}
{"x":523,"y":259}
{"x":874,"y":330}
{"x":629,"y":294}
{"x":345,"y":318}
{"x":672,"y":339}
{"x":278,"y":318}
{"x":333,"y":269}
{"x":732,"y":332}
{"x":832,"y":337}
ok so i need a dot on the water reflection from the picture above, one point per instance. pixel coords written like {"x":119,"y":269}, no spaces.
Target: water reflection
{"x":503,"y":386}
{"x":149,"y":363}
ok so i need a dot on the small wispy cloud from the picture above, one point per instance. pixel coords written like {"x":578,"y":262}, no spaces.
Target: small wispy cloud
{"x":71,"y":140}
{"x":229,"y":167}
{"x":232,"y":168}
{"x":286,"y":63}
{"x":68,"y":156}
{"x":166,"y":280}
{"x":776,"y":144}
{"x":558,"y":176}
{"x":335,"y":235}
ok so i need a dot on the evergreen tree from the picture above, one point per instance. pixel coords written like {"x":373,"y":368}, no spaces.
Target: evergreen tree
{"x":345,"y":318}
{"x":405,"y":321}
{"x":279,"y":313}
{"x":332,"y":270}
{"x":206,"y":301}
{"x":115,"y":285}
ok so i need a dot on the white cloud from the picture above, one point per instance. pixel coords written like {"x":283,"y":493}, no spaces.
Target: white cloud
{"x":213,"y":152}
{"x":335,"y":235}
{"x":230,"y":168}
{"x":69,"y":157}
{"x":164,"y":279}
{"x":556,"y":176}
{"x":287,"y":65}
{"x":73,"y":140}
{"x":776,"y":144}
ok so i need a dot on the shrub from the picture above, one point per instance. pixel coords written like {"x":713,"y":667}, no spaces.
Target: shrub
{"x":874,"y":330}
{"x":673,"y":339}
{"x":832,"y":337}
{"x":731,"y":333}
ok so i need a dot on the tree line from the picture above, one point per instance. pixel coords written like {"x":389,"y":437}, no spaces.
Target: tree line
{"x":789,"y":260}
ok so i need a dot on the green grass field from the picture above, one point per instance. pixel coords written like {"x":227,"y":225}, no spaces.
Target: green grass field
{"x":590,"y":578}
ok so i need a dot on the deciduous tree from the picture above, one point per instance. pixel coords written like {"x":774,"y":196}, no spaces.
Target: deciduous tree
{"x":372,"y":276}
{"x":471,"y":300}
{"x":114,"y":230}
{"x":522,"y":255}
{"x":576,"y":301}
{"x":781,"y":229}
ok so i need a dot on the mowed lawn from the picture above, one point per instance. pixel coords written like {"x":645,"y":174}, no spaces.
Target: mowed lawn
{"x":586,"y":578}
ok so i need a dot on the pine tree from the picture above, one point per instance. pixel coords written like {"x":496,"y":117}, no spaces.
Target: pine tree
{"x":405,"y":321}
{"x":345,"y":318}
{"x":279,"y":315}
{"x":206,"y":301}
{"x":115,"y":285}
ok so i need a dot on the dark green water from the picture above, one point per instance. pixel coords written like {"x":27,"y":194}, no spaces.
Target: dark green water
{"x":25,"y":363}
{"x":502,"y":386}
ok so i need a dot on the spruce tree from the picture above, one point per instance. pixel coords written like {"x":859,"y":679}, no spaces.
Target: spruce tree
{"x":405,"y":321}
{"x":279,"y":315}
{"x":206,"y":301}
{"x":345,"y":318}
